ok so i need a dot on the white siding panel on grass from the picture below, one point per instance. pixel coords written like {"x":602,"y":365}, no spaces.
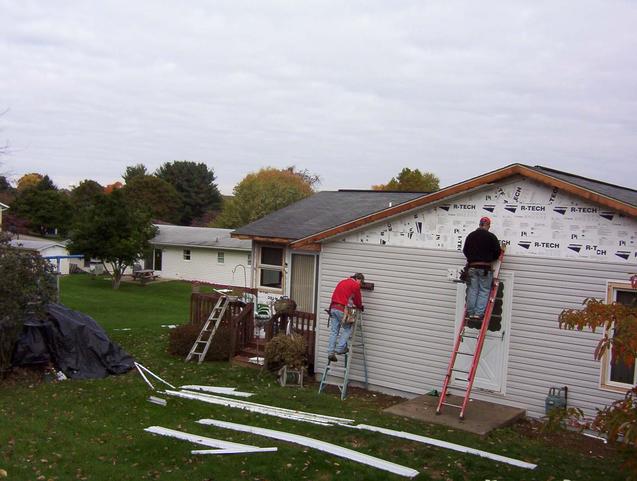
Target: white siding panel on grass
{"x":204,"y":266}
{"x":409,"y":322}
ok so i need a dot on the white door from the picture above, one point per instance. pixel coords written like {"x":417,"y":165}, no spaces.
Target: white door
{"x":492,"y":366}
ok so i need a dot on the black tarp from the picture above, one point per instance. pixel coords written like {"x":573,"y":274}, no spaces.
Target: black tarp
{"x":73,"y":342}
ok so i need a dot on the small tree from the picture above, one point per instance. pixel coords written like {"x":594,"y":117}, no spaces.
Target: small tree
{"x":113,"y":231}
{"x":619,"y":324}
{"x":25,"y":289}
{"x":260,"y":193}
{"x":411,"y":181}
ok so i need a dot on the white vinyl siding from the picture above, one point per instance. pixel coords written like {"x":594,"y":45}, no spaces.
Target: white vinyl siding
{"x":204,"y":266}
{"x":409,"y":322}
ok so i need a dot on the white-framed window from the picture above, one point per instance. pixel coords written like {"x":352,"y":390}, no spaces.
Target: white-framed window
{"x":249,"y":261}
{"x":221,"y":258}
{"x":270,"y":269}
{"x":186,"y":254}
{"x":616,"y":374}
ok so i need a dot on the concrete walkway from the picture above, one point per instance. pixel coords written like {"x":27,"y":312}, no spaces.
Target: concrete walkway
{"x":481,"y":417}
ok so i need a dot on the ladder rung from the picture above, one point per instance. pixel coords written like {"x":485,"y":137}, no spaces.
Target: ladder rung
{"x":463,"y":380}
{"x":452,"y":405}
{"x":460,"y":370}
{"x":465,"y":353}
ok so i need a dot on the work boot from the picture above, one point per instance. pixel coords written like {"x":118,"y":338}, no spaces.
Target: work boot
{"x":332,"y":357}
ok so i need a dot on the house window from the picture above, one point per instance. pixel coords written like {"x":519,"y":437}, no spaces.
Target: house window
{"x":271,"y":267}
{"x":617,"y":374}
{"x":220,"y":257}
{"x":186,"y":254}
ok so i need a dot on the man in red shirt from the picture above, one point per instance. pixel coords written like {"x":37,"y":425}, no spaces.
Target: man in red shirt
{"x":346,"y":293}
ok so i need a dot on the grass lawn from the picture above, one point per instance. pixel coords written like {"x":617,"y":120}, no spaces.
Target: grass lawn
{"x":93,"y":430}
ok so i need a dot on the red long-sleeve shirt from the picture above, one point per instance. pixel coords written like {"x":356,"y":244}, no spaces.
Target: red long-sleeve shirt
{"x":345,"y":290}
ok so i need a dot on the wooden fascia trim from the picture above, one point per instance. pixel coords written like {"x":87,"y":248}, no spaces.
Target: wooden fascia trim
{"x":579,"y":191}
{"x":266,"y":240}
{"x":428,"y":199}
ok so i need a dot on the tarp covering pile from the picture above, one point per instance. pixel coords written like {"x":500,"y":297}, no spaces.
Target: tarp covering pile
{"x":73,"y":342}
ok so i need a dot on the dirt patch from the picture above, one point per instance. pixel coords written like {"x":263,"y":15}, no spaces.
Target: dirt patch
{"x":564,"y":439}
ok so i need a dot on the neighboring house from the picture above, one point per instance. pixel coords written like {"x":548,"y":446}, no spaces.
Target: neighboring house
{"x":2,"y":208}
{"x":201,"y":254}
{"x":568,"y":238}
{"x":46,"y":248}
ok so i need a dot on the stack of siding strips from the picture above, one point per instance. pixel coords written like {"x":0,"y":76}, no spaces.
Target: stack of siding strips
{"x":330,"y":421}
{"x":319,"y":445}
{"x":222,"y":447}
{"x":229,"y":391}
{"x":261,"y":408}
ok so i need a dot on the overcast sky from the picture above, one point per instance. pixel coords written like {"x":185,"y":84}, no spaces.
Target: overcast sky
{"x":352,"y":91}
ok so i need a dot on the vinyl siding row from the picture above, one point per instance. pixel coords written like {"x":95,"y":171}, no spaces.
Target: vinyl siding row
{"x":409,"y":322}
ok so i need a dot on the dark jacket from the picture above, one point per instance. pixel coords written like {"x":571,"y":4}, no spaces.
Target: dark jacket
{"x":481,"y":246}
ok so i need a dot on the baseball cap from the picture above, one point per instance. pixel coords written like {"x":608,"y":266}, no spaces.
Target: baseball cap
{"x":485,"y":220}
{"x":359,"y":276}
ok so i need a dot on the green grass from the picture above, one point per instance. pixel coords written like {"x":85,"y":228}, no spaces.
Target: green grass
{"x":94,"y":429}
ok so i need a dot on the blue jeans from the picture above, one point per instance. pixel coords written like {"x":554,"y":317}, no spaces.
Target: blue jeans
{"x":336,"y":326}
{"x":479,"y":285}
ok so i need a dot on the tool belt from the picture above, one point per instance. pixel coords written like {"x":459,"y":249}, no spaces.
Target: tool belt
{"x":485,"y":266}
{"x":350,"y":315}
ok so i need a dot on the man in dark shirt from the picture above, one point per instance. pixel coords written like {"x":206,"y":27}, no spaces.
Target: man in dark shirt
{"x":481,"y":248}
{"x":346,"y":293}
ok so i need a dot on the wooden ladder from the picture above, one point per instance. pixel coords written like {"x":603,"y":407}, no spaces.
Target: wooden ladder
{"x":475,"y":355}
{"x":202,"y":344}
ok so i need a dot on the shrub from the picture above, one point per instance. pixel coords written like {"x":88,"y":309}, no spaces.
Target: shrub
{"x":26,"y":286}
{"x":285,"y":350}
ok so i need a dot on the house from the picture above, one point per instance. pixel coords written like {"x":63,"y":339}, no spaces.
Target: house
{"x":2,"y":208}
{"x":48,"y":249}
{"x":201,"y":254}
{"x":567,"y":237}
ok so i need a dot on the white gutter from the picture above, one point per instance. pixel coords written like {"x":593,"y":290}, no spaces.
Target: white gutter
{"x":210,"y":442}
{"x":261,"y":408}
{"x":444,"y":444}
{"x":319,"y":445}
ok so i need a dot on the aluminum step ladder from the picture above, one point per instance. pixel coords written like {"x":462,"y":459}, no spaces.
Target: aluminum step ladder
{"x":200,"y":348}
{"x":355,"y":345}
{"x":475,"y":355}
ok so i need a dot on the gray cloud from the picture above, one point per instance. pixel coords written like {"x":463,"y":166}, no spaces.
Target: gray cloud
{"x":353,"y":91}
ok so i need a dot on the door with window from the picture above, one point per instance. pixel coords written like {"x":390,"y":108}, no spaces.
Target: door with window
{"x":493,"y":360}
{"x":303,"y":281}
{"x":157,"y":258}
{"x":618,"y":374}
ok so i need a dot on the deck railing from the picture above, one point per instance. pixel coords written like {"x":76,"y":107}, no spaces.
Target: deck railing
{"x":240,"y":318}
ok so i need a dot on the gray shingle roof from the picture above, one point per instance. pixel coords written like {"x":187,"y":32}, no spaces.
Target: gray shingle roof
{"x":622,"y":194}
{"x":207,"y":237}
{"x":322,"y":211}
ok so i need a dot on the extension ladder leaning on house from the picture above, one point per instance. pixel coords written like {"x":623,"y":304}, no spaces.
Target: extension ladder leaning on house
{"x":475,"y":355}
{"x":202,"y":344}
{"x":356,"y":343}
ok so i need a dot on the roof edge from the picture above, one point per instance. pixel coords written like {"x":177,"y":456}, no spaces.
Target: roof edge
{"x":458,"y":188}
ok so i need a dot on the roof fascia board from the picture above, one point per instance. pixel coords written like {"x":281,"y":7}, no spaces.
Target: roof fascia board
{"x":464,"y":187}
{"x":268,"y":240}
